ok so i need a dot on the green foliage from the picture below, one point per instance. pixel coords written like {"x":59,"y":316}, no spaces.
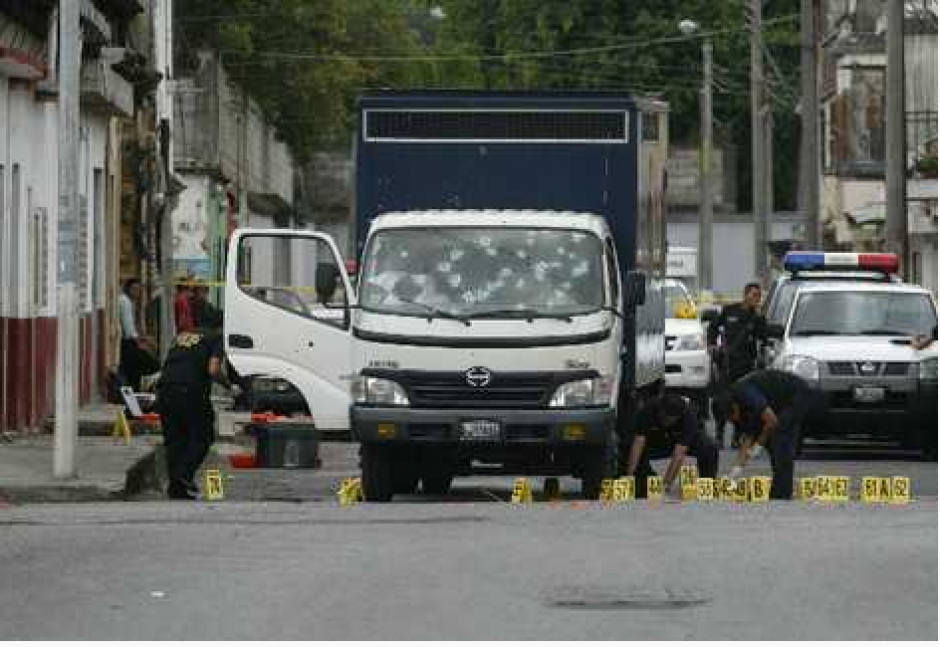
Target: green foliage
{"x":632,"y":45}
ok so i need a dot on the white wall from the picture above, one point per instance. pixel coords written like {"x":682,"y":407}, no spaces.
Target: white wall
{"x":28,"y":145}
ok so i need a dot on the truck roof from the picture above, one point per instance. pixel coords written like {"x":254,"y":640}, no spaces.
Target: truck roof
{"x":492,"y":218}
{"x":513,"y":99}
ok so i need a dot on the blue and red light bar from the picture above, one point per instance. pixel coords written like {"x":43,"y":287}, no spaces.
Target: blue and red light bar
{"x":801,"y":261}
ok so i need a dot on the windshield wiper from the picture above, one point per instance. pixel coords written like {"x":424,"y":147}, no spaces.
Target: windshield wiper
{"x":885,"y":331}
{"x":814,"y":333}
{"x":433,"y":312}
{"x":529,"y":314}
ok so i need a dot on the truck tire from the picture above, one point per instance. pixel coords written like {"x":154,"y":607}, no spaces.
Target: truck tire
{"x":378,"y":484}
{"x":599,"y":463}
{"x":436,"y":482}
{"x":928,"y":446}
{"x":406,"y":478}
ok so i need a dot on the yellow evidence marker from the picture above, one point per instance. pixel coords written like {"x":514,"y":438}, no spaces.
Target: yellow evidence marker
{"x":900,"y":489}
{"x":758,"y":489}
{"x":654,"y":488}
{"x":625,"y":489}
{"x":521,"y":491}
{"x":724,"y":490}
{"x":688,"y":478}
{"x":739,"y":493}
{"x":121,"y":428}
{"x":607,"y":490}
{"x":705,"y":489}
{"x":824,"y":488}
{"x":808,"y":489}
{"x":350,"y":492}
{"x":213,"y":485}
{"x":876,"y":489}
{"x":840,"y":488}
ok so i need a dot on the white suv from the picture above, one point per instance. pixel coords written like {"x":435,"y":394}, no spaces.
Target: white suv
{"x":687,"y":361}
{"x":850,"y":340}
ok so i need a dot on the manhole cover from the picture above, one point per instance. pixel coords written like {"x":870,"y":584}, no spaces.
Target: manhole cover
{"x":601,"y":597}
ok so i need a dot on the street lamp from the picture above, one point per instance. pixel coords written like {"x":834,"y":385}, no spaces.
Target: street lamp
{"x":688,"y":28}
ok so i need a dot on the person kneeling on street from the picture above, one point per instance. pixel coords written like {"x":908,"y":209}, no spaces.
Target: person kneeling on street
{"x":185,"y":408}
{"x":667,"y":427}
{"x":770,"y":406}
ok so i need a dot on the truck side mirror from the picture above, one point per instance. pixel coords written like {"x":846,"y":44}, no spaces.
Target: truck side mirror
{"x":774,"y":330}
{"x":635,"y":289}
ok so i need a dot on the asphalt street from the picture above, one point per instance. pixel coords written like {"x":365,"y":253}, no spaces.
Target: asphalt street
{"x":470,"y":566}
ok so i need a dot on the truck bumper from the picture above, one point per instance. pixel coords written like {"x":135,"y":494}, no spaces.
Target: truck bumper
{"x":904,"y":416}
{"x":444,"y":426}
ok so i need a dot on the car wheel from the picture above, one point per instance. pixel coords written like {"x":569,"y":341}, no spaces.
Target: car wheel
{"x":378,"y":483}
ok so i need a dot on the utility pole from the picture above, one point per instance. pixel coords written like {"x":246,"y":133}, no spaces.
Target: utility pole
{"x":66,"y":381}
{"x":808,"y":196}
{"x":896,"y":139}
{"x":758,"y":140}
{"x":706,"y":182}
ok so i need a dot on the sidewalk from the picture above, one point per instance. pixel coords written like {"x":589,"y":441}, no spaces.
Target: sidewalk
{"x":104,"y":469}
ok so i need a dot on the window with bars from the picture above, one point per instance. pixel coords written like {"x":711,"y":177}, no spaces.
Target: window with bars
{"x":496,"y":125}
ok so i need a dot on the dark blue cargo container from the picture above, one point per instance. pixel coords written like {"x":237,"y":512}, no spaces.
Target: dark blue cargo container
{"x":602,"y":153}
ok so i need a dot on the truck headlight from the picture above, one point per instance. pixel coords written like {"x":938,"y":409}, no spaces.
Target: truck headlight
{"x":377,"y":390}
{"x":592,"y":392}
{"x":927,"y":371}
{"x":690,"y":342}
{"x":801,"y":366}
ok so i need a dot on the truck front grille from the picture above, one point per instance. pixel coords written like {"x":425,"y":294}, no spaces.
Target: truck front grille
{"x":869,"y":369}
{"x":451,"y":391}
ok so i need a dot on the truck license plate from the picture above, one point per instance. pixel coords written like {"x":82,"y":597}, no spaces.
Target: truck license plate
{"x":480,"y":430}
{"x":869,"y":394}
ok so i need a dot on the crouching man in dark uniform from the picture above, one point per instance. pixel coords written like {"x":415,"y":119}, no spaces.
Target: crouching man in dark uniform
{"x":770,"y":407}
{"x":185,"y":408}
{"x":667,"y":427}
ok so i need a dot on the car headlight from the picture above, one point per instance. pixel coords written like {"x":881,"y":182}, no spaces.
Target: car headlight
{"x":592,"y":392}
{"x":801,"y":366}
{"x":377,"y":390}
{"x":690,"y":342}
{"x":927,"y":371}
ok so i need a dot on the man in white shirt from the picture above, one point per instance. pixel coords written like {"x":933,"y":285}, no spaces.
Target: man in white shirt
{"x":136,"y":355}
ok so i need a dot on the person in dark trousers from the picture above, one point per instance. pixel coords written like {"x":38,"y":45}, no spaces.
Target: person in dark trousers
{"x":733,"y":340}
{"x":185,"y":408}
{"x":770,"y":406}
{"x":667,"y":427}
{"x":137,"y":357}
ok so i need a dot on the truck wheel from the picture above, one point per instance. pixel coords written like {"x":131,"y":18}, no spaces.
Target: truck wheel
{"x":406,"y":479}
{"x":928,"y":448}
{"x":437,"y":482}
{"x":378,"y":483}
{"x":599,"y":463}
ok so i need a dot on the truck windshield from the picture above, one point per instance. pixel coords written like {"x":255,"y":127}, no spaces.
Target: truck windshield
{"x":862,"y":313}
{"x":471,"y":272}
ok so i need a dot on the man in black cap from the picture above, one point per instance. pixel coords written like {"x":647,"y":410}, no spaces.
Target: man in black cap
{"x":770,"y":407}
{"x":185,"y":408}
{"x":667,"y":427}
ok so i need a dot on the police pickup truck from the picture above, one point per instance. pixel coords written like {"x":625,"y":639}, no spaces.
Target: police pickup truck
{"x":850,"y":339}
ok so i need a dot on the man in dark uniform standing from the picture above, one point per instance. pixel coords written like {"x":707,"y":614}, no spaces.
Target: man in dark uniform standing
{"x":739,"y":328}
{"x":770,"y":406}
{"x":184,"y":405}
{"x":667,"y":427}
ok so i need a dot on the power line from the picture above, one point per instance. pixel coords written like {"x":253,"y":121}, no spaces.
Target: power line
{"x":584,"y":51}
